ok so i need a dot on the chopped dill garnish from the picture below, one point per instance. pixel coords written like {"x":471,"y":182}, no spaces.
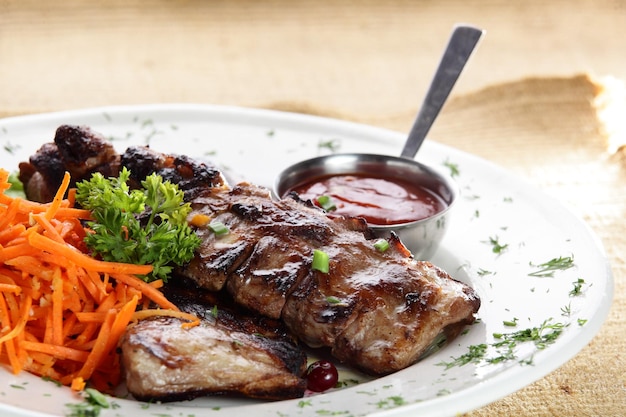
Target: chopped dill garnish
{"x":10,"y":148}
{"x":475,"y":354}
{"x":547,"y":269}
{"x":566,"y":310}
{"x":577,"y":290}
{"x":506,"y":344}
{"x":347,"y":382}
{"x":55,"y":382}
{"x":332,"y":145}
{"x":454,"y":168}
{"x":482,"y":272}
{"x":496,"y":246}
{"x":541,"y":336}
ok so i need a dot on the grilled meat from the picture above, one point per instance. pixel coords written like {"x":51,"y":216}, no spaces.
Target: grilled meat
{"x":81,"y":151}
{"x":376,"y":311}
{"x":190,"y":175}
{"x":230,"y":352}
{"x":76,"y":149}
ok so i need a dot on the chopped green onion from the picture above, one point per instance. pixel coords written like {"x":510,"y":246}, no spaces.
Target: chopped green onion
{"x":333,"y":300}
{"x":320,"y":261}
{"x":218,"y":228}
{"x":96,"y":397}
{"x":326,"y":203}
{"x":510,"y":323}
{"x":382,"y":245}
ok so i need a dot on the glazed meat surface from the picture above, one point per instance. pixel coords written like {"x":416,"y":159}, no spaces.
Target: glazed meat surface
{"x":230,"y":352}
{"x":378,"y":311}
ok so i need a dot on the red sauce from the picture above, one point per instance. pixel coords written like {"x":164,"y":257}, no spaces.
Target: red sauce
{"x":379,"y":201}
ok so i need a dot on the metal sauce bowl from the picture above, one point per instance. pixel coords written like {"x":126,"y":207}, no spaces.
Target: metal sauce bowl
{"x":421,"y":237}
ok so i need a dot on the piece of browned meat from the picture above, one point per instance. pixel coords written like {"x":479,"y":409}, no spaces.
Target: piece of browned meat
{"x":189,"y":174}
{"x":81,"y":151}
{"x":76,"y":149}
{"x":376,"y":311}
{"x":230,"y":352}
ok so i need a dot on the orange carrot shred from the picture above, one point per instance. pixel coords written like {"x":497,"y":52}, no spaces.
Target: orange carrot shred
{"x":58,"y":198}
{"x":63,"y":312}
{"x":10,"y":288}
{"x":98,"y":352}
{"x":78,"y":384}
{"x":192,"y":320}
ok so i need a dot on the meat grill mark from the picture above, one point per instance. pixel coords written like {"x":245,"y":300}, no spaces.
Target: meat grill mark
{"x":263,"y":280}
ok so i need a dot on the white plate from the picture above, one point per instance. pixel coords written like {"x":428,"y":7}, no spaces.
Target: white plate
{"x":495,"y":208}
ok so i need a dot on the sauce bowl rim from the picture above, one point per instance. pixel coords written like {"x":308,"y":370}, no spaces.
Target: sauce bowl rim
{"x":443,"y":178}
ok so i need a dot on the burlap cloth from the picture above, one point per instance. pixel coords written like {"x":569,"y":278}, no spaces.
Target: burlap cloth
{"x":535,"y":98}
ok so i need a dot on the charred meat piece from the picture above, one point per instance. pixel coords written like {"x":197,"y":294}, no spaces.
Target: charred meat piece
{"x":76,"y":149}
{"x":83,"y":152}
{"x":43,"y":174}
{"x":190,"y":175}
{"x":376,"y":311}
{"x":231,"y":352}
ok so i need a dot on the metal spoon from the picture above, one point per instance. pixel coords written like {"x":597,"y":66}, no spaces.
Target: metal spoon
{"x":460,"y":47}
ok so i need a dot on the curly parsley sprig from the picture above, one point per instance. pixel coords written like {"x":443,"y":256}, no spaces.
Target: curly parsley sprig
{"x":145,"y":226}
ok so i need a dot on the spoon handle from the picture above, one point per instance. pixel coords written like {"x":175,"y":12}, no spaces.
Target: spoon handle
{"x":460,"y":47}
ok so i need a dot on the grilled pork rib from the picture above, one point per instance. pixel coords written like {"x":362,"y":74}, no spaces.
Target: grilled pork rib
{"x":230,"y":352}
{"x":378,"y":311}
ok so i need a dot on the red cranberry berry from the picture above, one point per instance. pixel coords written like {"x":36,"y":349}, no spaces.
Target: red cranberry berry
{"x":321,"y":376}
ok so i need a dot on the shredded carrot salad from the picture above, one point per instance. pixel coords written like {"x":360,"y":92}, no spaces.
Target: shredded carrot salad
{"x":63,"y":312}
